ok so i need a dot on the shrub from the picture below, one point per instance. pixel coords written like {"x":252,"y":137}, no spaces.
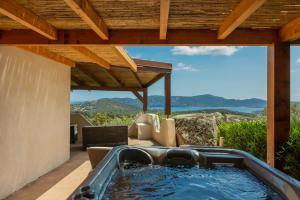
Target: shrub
{"x":290,"y":153}
{"x":248,"y":136}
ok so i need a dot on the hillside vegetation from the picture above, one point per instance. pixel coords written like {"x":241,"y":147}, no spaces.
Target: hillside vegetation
{"x":206,"y":100}
{"x":104,"y":106}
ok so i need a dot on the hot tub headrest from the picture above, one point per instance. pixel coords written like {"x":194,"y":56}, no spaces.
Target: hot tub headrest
{"x":134,"y":155}
{"x":181,"y":157}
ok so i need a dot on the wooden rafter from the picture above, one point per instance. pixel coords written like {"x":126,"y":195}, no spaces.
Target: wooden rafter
{"x":77,"y":81}
{"x":239,"y":14}
{"x":154,"y":69}
{"x":137,"y":94}
{"x":85,"y":10}
{"x":123,"y":54}
{"x":155,"y":79}
{"x":114,"y":78}
{"x":137,"y":78}
{"x":290,"y":31}
{"x":42,"y":51}
{"x":141,"y":37}
{"x":164,"y":16}
{"x":130,"y":89}
{"x":90,"y":74}
{"x":13,"y":10}
{"x":91,"y":55}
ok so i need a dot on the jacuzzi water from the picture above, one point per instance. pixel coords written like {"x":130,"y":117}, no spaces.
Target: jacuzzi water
{"x":163,"y":182}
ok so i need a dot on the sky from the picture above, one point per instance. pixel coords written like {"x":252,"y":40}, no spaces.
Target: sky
{"x":226,"y":71}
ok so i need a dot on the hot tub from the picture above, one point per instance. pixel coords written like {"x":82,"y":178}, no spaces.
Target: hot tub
{"x":185,"y":173}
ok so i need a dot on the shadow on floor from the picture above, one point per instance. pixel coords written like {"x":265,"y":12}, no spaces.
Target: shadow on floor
{"x":38,"y":187}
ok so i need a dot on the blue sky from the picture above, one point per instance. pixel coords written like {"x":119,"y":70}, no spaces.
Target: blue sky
{"x":230,"y":72}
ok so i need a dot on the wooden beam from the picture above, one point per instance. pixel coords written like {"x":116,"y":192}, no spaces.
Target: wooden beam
{"x":79,"y":82}
{"x":278,"y":103}
{"x":137,"y":94}
{"x":114,"y":78}
{"x":290,"y":31}
{"x":137,"y":78}
{"x":91,"y":55}
{"x":245,"y":37}
{"x":168,"y":95}
{"x":90,"y":74}
{"x":42,"y":51}
{"x":154,"y":69}
{"x":154,"y":80}
{"x":145,"y":100}
{"x":86,"y":11}
{"x":123,"y":54}
{"x":128,"y":89}
{"x":164,"y":17}
{"x":15,"y":11}
{"x":239,"y":14}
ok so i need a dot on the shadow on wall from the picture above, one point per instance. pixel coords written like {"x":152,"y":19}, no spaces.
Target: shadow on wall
{"x":34,"y":117}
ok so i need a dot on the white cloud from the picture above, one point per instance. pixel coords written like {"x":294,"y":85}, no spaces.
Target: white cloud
{"x":184,"y":67}
{"x":298,"y":60}
{"x":205,"y":50}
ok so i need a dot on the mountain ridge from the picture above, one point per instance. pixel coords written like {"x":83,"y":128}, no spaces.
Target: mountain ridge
{"x":181,"y":101}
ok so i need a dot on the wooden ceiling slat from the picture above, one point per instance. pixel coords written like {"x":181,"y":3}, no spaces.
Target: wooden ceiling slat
{"x":77,"y":81}
{"x":290,"y":31}
{"x":144,"y":14}
{"x":91,"y":55}
{"x":90,"y":75}
{"x":86,"y":11}
{"x":164,"y":16}
{"x":114,"y":78}
{"x":239,"y":14}
{"x":13,"y":10}
{"x":137,"y":78}
{"x":42,"y":51}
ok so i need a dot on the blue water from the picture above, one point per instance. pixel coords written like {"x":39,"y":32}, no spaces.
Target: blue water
{"x":161,"y":182}
{"x":194,"y":108}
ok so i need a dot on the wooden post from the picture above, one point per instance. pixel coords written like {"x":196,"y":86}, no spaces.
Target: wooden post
{"x":278,"y":104}
{"x":167,"y":94}
{"x":145,"y":100}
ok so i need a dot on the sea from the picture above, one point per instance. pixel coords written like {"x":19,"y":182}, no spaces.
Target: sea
{"x":195,"y":108}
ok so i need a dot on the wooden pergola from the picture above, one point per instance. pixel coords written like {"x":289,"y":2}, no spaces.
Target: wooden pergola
{"x":89,"y":76}
{"x":40,"y":24}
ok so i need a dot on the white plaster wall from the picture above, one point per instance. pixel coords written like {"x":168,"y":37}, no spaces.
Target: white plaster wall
{"x":34,"y":117}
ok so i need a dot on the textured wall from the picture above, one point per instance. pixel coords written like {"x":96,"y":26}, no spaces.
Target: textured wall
{"x":34,"y":117}
{"x":81,"y":121}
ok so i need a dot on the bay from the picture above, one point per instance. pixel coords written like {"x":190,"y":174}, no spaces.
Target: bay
{"x":195,"y":108}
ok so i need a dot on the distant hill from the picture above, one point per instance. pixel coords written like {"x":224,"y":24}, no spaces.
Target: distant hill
{"x":129,"y":105}
{"x":199,"y":100}
{"x":104,"y":106}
